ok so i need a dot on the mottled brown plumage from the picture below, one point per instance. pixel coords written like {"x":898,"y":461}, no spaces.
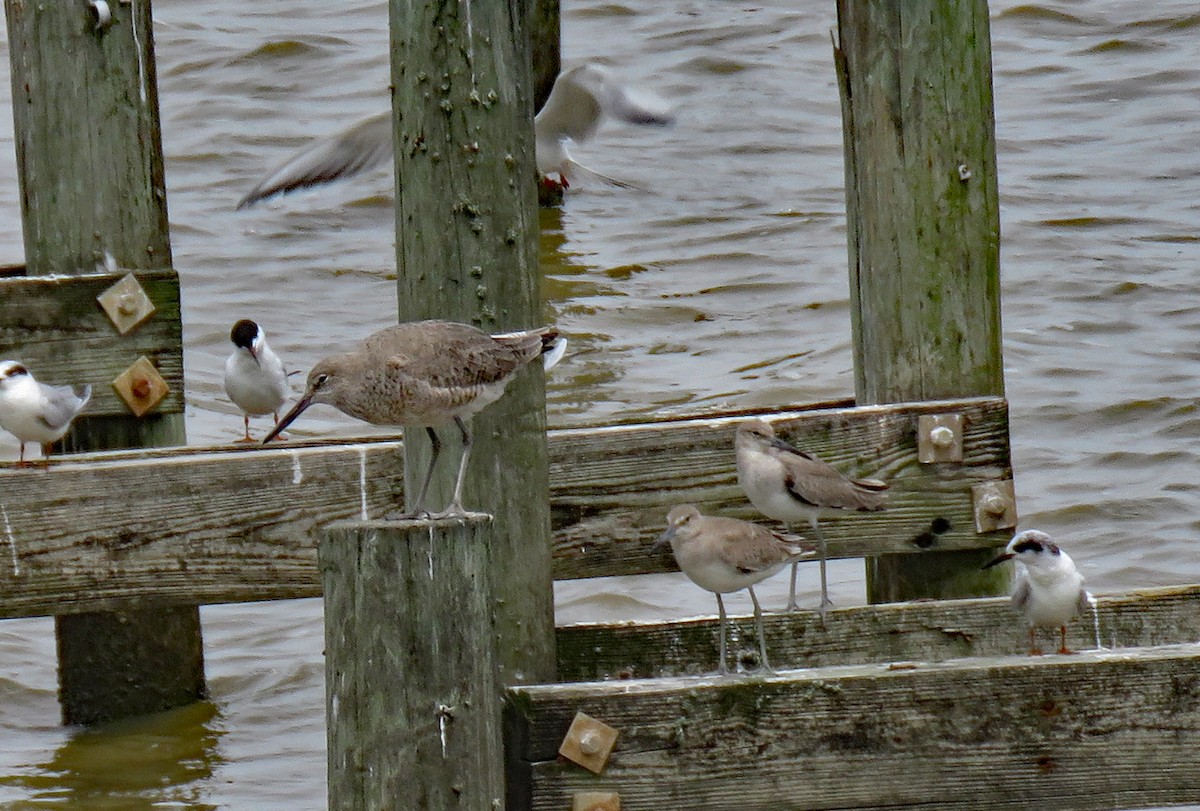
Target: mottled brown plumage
{"x":424,"y":373}
{"x":723,"y":555}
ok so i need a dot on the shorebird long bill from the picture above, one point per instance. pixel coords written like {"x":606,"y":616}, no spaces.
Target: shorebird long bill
{"x":290,"y":417}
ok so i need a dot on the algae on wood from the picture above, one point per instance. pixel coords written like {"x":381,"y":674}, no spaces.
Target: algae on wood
{"x":466,"y":245}
{"x":923,"y":228}
{"x":90,"y":168}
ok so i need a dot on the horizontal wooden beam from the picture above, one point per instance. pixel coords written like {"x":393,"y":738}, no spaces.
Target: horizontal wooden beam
{"x":181,"y":527}
{"x":203,"y":525}
{"x":1101,"y":730}
{"x":926,"y":631}
{"x":54,"y":325}
{"x":611,"y":487}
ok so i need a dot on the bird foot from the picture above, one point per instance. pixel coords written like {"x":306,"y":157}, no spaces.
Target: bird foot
{"x":792,"y":606}
{"x":1035,"y":651}
{"x":407,"y":515}
{"x":823,"y":609}
{"x":244,"y":440}
{"x":453,"y":510}
{"x":1065,"y":650}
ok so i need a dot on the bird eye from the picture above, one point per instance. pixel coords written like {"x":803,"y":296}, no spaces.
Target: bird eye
{"x":320,"y":380}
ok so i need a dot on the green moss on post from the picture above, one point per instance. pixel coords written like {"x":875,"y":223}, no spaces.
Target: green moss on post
{"x":89,"y":157}
{"x":466,"y":250}
{"x":924,"y":230}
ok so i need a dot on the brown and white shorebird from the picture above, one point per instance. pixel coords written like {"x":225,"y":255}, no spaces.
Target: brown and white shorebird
{"x":724,"y":555}
{"x":790,"y":485}
{"x":425,"y":373}
{"x":35,"y":412}
{"x":1049,"y":589}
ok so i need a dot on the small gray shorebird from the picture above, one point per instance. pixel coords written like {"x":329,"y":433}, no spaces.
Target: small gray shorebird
{"x":1048,"y":590}
{"x":426,"y":374}
{"x":35,"y":412}
{"x":255,"y":379}
{"x":724,"y":555}
{"x":582,"y":98}
{"x":790,"y":485}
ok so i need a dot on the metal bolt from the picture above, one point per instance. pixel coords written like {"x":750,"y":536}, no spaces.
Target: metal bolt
{"x":942,"y":436}
{"x":127,"y":304}
{"x":590,"y":743}
{"x":140,"y":388}
{"x":964,"y":173}
{"x":995,"y":504}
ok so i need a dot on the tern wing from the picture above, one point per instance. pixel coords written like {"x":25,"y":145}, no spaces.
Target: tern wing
{"x":60,"y":404}
{"x":1021,"y":592}
{"x":359,"y":149}
{"x":584,"y":95}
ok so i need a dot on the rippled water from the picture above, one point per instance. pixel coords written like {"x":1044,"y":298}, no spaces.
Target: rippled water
{"x":722,"y":283}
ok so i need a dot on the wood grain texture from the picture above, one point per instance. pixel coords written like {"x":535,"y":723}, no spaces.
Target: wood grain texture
{"x":612,"y":487}
{"x":923,"y":228}
{"x":413,"y":697}
{"x":1100,"y":730}
{"x":89,"y":145}
{"x":54,"y":326}
{"x":925,"y":631}
{"x":93,"y":195}
{"x":228,"y":524}
{"x":187,"y":528}
{"x":466,"y":250}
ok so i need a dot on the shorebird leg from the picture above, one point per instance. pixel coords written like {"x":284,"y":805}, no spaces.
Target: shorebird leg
{"x":762,"y":636}
{"x":1034,"y":650}
{"x":455,"y":506}
{"x":792,"y":605}
{"x":418,"y":509}
{"x":1062,"y":648}
{"x":825,"y":601}
{"x":722,"y":669}
{"x":21,"y":461}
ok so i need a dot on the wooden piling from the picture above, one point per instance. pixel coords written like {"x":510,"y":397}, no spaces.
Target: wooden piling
{"x":89,"y":157}
{"x":545,"y":36}
{"x":466,"y":250}
{"x":924,"y":229}
{"x":413,"y":701}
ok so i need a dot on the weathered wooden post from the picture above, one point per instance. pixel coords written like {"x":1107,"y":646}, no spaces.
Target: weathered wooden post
{"x":411,"y":677}
{"x":89,"y":156}
{"x":545,"y":25}
{"x":924,"y":230}
{"x":466,"y":250}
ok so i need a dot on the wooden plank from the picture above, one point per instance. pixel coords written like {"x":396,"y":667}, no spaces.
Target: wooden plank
{"x":187,"y":528}
{"x":93,"y":195}
{"x":1101,"y":730}
{"x":200,"y":525}
{"x":923,"y":226}
{"x":54,"y":326}
{"x":612,"y":487}
{"x":927,"y":631}
{"x":412,"y":689}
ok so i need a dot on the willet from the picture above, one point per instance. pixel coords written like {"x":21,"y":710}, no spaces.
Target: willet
{"x":789,"y":485}
{"x":1049,"y":589}
{"x":724,"y":555}
{"x":425,"y":373}
{"x":34,"y":412}
{"x":581,"y":99}
{"x":255,"y":379}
